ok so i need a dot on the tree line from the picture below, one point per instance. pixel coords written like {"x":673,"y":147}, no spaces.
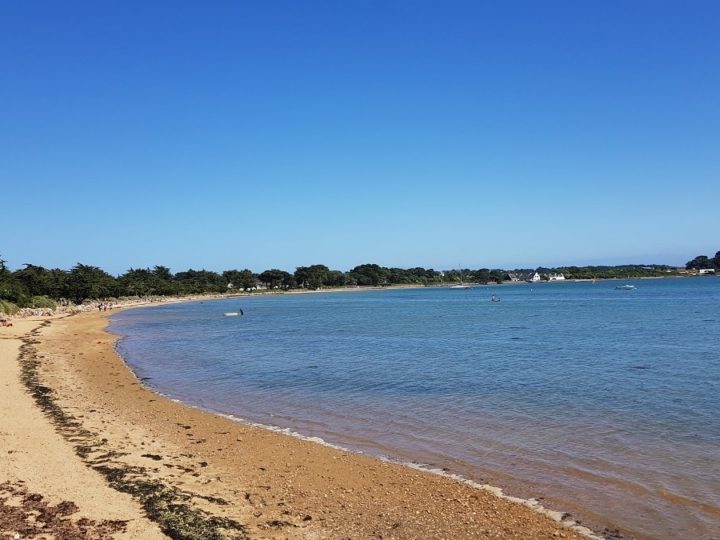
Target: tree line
{"x":36,"y":286}
{"x":703,"y":262}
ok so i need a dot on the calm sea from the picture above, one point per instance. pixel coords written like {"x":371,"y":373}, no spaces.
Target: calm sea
{"x":603,"y":403}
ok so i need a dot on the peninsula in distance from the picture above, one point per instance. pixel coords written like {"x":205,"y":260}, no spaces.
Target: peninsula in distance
{"x":34,"y":286}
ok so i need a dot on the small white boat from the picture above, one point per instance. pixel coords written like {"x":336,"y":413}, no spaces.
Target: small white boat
{"x":460,"y":285}
{"x":626,"y":287}
{"x":231,"y":314}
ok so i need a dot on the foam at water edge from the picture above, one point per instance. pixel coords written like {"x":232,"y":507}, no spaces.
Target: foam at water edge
{"x":285,"y":431}
{"x":533,"y":504}
{"x":560,"y":517}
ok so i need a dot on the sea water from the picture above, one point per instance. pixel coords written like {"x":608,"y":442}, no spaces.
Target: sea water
{"x":601,"y":402}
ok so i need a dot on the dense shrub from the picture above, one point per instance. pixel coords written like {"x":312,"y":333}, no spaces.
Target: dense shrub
{"x":8,"y":308}
{"x":43,"y":302}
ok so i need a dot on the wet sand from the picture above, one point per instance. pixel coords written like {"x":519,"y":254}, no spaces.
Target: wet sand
{"x":81,"y":431}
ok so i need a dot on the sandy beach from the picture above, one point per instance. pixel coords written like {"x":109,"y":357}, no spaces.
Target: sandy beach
{"x":88,"y":452}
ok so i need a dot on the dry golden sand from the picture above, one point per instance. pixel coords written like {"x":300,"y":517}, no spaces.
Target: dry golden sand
{"x":36,"y":460}
{"x":91,"y":434}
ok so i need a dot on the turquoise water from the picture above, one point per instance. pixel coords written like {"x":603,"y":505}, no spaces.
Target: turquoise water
{"x":602,"y":402}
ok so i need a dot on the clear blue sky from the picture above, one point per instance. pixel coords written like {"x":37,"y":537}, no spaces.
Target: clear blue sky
{"x":408,"y":133}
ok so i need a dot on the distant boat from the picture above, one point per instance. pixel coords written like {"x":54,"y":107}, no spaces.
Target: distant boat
{"x":461,"y":285}
{"x":231,"y":314}
{"x":626,"y":287}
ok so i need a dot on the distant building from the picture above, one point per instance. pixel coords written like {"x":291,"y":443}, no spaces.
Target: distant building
{"x":512,"y":276}
{"x":534,"y":277}
{"x":706,"y":271}
{"x":556,"y":277}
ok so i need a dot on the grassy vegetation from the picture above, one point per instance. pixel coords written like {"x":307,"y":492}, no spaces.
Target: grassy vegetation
{"x":8,"y":308}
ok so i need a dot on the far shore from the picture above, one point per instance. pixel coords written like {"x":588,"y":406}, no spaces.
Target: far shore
{"x":92,"y":304}
{"x":143,"y":466}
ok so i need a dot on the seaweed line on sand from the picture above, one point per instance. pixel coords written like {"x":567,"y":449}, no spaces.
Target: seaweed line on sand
{"x":167,"y":506}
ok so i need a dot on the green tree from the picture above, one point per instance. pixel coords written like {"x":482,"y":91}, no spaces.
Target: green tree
{"x":138,"y":282}
{"x":336,"y":278}
{"x":273,"y":278}
{"x":37,"y":280}
{"x":14,"y":291}
{"x":370,"y":274}
{"x":11,"y":289}
{"x":312,"y":277}
{"x":243,"y":280}
{"x":164,"y":281}
{"x":58,"y":283}
{"x":233,"y":279}
{"x":288,"y":281}
{"x":89,"y":282}
{"x":302,"y":276}
{"x":700,"y":262}
{"x":200,"y":282}
{"x":248,"y":280}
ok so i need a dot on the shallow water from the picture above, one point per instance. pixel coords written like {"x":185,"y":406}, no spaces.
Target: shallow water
{"x":603,"y":402}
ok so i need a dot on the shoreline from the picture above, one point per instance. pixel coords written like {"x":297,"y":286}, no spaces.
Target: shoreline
{"x":44,"y":488}
{"x":321,"y":492}
{"x":24,"y":313}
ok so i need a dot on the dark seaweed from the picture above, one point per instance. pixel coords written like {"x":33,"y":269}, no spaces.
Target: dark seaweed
{"x":167,"y":506}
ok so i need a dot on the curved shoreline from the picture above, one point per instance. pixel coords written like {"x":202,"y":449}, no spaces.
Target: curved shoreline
{"x":561,"y":517}
{"x":274,"y":485}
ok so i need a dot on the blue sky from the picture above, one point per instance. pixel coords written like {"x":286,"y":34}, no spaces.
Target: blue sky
{"x":408,"y":133}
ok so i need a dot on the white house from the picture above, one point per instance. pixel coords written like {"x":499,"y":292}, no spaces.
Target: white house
{"x":533,"y":278}
{"x":556,"y":277}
